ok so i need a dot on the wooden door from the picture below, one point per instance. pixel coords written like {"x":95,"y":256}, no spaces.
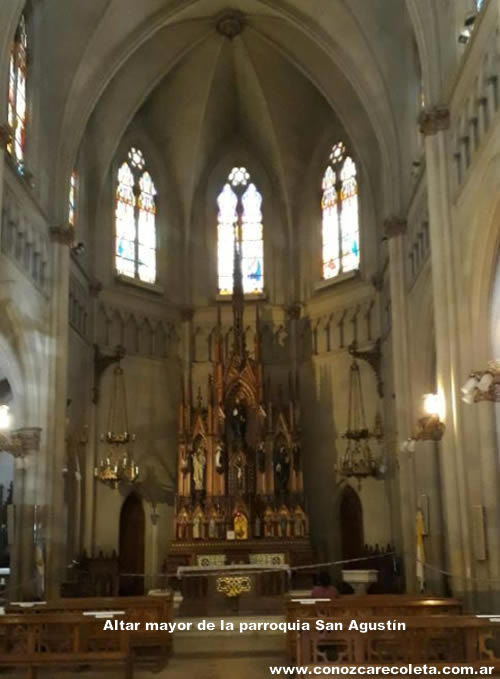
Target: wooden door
{"x":132,"y":525}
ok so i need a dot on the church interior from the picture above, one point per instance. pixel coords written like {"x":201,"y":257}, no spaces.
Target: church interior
{"x":249,"y":334}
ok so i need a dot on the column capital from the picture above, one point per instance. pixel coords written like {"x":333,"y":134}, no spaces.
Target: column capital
{"x":21,"y":442}
{"x":62,"y":234}
{"x":394,"y":226}
{"x":434,"y":120}
{"x":5,"y":135}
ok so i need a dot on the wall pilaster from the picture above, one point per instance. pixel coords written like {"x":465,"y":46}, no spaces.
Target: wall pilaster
{"x":434,"y":126}
{"x":395,"y":229}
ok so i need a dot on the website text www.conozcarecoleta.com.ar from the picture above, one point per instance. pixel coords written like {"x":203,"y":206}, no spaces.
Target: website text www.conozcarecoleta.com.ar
{"x":409,"y":669}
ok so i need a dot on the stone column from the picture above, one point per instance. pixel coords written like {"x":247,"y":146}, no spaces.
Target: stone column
{"x":395,"y":228}
{"x":434,"y":126}
{"x":55,"y":535}
{"x":26,"y":578}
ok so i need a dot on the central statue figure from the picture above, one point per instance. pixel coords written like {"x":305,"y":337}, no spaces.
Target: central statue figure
{"x":239,"y":420}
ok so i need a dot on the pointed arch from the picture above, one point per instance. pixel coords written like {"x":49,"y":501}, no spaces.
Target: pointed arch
{"x":340,"y":211}
{"x":135,"y":219}
{"x":240,"y":216}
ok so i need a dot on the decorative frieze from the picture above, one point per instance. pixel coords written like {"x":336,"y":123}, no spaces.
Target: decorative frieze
{"x":24,"y":241}
{"x":139,"y":334}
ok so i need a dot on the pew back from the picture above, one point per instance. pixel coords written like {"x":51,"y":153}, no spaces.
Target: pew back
{"x":436,"y":640}
{"x":361,"y":606}
{"x":140,"y":609}
{"x":48,"y":640}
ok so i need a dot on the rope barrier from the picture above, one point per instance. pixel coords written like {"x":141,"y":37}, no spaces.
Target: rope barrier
{"x":164,"y":577}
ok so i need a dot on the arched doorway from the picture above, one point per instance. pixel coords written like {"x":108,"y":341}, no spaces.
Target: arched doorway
{"x":351,"y":524}
{"x":131,"y":556}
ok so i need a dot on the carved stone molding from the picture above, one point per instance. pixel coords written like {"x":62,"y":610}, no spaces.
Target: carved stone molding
{"x":21,"y":442}
{"x":230,"y":24}
{"x":62,"y":235}
{"x":394,"y":226}
{"x":5,"y":136}
{"x":434,"y":120}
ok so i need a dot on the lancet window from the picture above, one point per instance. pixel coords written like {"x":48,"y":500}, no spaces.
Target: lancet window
{"x":16,"y":114}
{"x":340,"y":214}
{"x":135,"y":220}
{"x":240,"y":216}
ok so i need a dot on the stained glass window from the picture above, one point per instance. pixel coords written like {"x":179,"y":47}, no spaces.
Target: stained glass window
{"x":16,"y":115}
{"x":339,"y":206}
{"x":72,"y":199}
{"x":240,"y":216}
{"x":135,"y":220}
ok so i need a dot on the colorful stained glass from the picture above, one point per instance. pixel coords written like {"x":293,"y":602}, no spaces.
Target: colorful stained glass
{"x":147,"y":229}
{"x":72,"y":199}
{"x":340,"y":215}
{"x":16,"y":114}
{"x":251,"y":230}
{"x":136,"y":220}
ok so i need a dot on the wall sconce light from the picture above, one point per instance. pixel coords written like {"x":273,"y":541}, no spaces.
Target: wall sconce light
{"x":5,"y":418}
{"x":431,"y":426}
{"x":483,"y":385}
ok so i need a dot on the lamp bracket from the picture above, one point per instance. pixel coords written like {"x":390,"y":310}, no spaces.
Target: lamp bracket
{"x":101,"y":363}
{"x":372,"y":356}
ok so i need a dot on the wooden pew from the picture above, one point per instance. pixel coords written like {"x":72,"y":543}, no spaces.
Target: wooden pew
{"x":137,"y":609}
{"x":33,"y":641}
{"x":360,"y":606}
{"x":436,"y":640}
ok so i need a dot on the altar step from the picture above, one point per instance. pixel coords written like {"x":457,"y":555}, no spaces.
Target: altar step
{"x":224,"y":644}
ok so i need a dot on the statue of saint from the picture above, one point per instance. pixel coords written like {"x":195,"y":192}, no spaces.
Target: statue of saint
{"x":199,"y":463}
{"x":256,"y":528}
{"x":299,"y":527}
{"x":219,"y":458}
{"x":197,"y":526}
{"x":268,"y":523}
{"x":212,"y":526}
{"x":240,"y":472}
{"x":182,"y":524}
{"x":297,"y":462}
{"x":240,"y":526}
{"x":282,"y":469}
{"x":184,"y":463}
{"x":239,"y":420}
{"x":261,"y":458}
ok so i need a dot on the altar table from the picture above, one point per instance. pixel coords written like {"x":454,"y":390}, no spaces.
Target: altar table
{"x":233,"y":588}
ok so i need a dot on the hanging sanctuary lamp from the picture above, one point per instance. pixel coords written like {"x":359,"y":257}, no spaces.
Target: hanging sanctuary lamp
{"x":358,"y":460}
{"x":118,"y":466}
